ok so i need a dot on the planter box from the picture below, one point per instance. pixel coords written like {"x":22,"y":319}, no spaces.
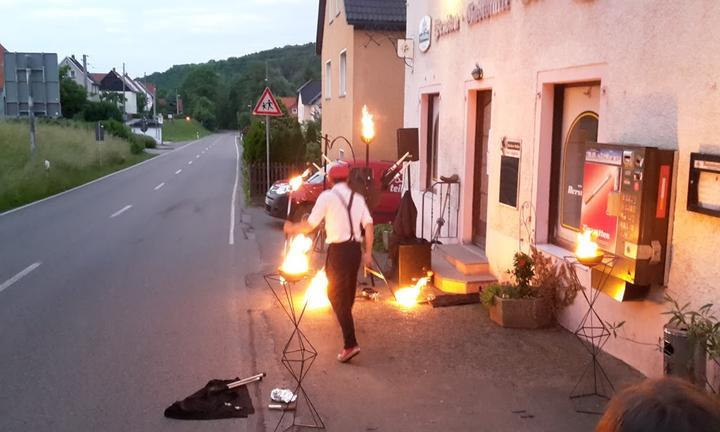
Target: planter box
{"x":528,"y":313}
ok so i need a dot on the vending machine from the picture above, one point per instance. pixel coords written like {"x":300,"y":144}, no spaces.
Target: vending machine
{"x":626,"y":200}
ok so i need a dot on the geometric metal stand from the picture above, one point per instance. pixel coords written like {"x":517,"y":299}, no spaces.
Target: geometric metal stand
{"x":298,"y":354}
{"x":593,"y":389}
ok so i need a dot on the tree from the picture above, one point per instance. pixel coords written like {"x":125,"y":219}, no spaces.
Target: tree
{"x":113,"y":97}
{"x":203,"y":110}
{"x":141,"y":101}
{"x":287,"y":143}
{"x":312,"y":131}
{"x":99,"y":111}
{"x":72,"y":95}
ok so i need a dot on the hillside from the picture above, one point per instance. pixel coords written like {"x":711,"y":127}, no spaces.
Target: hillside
{"x":236,"y":82}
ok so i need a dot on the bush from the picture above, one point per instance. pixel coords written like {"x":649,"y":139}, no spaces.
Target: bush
{"x":147,"y":141}
{"x":136,"y":145}
{"x":117,"y":128}
{"x":99,"y":111}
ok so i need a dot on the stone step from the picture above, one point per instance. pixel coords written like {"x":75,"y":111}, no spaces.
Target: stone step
{"x":450,"y":280}
{"x":468,"y":260}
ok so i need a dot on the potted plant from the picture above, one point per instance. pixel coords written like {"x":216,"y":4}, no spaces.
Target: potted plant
{"x":538,"y":289}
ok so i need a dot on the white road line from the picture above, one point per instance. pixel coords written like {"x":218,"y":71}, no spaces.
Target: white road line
{"x":121,"y":211}
{"x":5,"y":285}
{"x":178,"y":171}
{"x":231,"y":240}
{"x":189,"y":162}
{"x":160,"y":185}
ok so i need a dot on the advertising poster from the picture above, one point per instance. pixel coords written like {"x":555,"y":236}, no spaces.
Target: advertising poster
{"x":598,"y":182}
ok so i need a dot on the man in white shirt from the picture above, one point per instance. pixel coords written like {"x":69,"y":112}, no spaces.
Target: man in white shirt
{"x":344,"y":212}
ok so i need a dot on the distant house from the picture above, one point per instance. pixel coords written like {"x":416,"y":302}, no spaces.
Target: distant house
{"x":113,"y":82}
{"x":291,"y":103}
{"x":149,"y":91}
{"x":355,"y":40}
{"x":310,"y":101}
{"x":2,"y":68}
{"x":84,"y":79}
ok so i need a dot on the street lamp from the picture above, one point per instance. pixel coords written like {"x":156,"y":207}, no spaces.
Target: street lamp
{"x":367,"y":133}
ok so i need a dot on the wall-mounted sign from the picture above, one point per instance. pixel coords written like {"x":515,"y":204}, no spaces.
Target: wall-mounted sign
{"x":704,"y":184}
{"x":510,"y":171}
{"x":450,"y":24}
{"x":480,"y":10}
{"x":425,"y":33}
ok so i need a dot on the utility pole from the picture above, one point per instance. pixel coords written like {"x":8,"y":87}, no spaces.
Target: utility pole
{"x":267,"y":133}
{"x":85,"y":73}
{"x":123,"y":94}
{"x":31,"y":114}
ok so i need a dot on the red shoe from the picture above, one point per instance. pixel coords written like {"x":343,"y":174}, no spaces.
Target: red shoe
{"x":348,"y":353}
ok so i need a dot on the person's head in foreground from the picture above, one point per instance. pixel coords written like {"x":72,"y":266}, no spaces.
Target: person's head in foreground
{"x":339,"y":173}
{"x":662,"y":405}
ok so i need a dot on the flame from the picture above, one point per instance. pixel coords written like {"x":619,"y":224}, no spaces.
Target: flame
{"x":407,"y":297}
{"x":296,"y":260}
{"x":368,"y":125}
{"x":316,"y":294}
{"x":296,"y":182}
{"x":586,"y":245}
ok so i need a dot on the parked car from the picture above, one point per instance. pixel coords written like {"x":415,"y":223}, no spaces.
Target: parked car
{"x":384,"y":201}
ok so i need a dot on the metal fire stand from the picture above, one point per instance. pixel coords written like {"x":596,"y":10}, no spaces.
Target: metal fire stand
{"x":298,"y":354}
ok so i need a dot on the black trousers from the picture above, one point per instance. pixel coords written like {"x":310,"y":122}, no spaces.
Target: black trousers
{"x":341,"y":266}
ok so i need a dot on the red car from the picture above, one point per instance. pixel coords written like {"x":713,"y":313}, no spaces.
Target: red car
{"x":387,"y":185}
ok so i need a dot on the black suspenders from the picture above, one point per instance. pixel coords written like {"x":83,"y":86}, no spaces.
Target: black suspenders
{"x":348,"y":208}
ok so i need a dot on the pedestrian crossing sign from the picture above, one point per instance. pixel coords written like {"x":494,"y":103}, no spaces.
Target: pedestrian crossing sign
{"x":267,"y":105}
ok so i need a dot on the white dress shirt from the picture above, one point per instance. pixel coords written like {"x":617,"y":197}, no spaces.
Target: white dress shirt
{"x":334,"y":211}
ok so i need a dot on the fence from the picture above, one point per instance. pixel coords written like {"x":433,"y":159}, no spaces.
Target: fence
{"x":257,"y":175}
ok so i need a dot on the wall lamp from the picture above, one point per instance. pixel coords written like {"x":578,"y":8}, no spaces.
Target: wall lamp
{"x":477,"y":72}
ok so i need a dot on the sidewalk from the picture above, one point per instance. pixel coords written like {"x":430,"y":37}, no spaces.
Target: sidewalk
{"x":426,"y":369}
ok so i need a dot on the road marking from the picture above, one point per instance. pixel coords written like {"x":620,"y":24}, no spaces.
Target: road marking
{"x":178,"y":171}
{"x":5,"y":285}
{"x":155,"y":158}
{"x":160,"y":185}
{"x":121,"y":211}
{"x":189,"y":162}
{"x":231,"y":240}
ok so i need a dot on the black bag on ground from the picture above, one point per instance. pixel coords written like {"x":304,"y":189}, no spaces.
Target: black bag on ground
{"x":214,"y":401}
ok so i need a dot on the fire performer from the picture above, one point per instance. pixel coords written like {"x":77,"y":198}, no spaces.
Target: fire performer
{"x":344,"y":212}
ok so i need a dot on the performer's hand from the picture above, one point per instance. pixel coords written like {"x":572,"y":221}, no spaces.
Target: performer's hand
{"x":368,"y":259}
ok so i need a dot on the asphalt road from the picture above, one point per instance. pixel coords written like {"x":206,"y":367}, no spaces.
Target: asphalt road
{"x":120,"y":297}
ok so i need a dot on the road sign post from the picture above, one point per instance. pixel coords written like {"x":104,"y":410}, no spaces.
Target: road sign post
{"x":267,"y":106}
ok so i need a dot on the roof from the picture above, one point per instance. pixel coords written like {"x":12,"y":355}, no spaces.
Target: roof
{"x":380,"y":15}
{"x":376,"y":14}
{"x":310,"y":92}
{"x":97,"y":77}
{"x":289,"y":101}
{"x":74,"y":61}
{"x":150,"y":87}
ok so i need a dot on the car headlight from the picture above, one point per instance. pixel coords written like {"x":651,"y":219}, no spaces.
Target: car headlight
{"x":282,"y":189}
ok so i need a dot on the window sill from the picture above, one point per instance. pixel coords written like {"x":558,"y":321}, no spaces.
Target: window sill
{"x":558,"y":252}
{"x":342,"y":95}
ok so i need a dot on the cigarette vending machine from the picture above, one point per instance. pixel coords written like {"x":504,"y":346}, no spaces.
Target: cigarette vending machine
{"x":626,"y":200}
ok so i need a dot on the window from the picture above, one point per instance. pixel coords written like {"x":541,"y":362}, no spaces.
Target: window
{"x":72,"y":73}
{"x":575,"y":123}
{"x":433,"y":123}
{"x":343,"y":73}
{"x":328,"y":79}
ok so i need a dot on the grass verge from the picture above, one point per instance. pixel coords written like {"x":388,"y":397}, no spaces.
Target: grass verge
{"x":74,"y":157}
{"x":183,"y":130}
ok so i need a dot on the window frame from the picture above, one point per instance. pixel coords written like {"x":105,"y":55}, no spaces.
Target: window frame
{"x":432,"y":140}
{"x":342,"y":75}
{"x":328,"y":79}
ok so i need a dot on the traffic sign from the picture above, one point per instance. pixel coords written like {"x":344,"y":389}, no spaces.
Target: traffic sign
{"x":267,"y":105}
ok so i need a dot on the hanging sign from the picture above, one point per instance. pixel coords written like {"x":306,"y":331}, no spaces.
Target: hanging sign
{"x":425,"y":34}
{"x":267,"y":105}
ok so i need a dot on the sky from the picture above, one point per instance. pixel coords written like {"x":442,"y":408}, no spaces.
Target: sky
{"x":153,"y":35}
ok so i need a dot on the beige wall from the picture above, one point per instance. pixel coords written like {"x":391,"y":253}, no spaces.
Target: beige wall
{"x":658,"y":66}
{"x":375,"y":77}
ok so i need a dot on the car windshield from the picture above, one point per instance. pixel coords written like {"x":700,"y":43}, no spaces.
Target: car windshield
{"x":316,"y":178}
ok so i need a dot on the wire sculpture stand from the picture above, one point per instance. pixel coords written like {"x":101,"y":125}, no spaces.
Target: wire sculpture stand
{"x":593,"y":333}
{"x":298,"y":353}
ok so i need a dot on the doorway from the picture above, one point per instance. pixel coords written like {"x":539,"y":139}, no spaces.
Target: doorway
{"x":483,"y":102}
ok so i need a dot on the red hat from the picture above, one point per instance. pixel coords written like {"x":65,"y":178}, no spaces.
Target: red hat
{"x":339,"y":172}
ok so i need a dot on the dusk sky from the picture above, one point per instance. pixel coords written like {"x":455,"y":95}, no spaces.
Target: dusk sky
{"x":151,"y":36}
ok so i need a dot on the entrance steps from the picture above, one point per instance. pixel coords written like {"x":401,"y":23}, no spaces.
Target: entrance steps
{"x":460,"y":269}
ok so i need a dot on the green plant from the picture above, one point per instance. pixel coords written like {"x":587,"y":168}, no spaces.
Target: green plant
{"x":379,"y":229}
{"x":99,"y":111}
{"x":116,"y":128}
{"x":701,"y":324}
{"x":488,"y":294}
{"x":146,"y":141}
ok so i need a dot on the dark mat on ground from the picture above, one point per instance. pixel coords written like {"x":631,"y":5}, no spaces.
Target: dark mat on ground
{"x":214,"y":401}
{"x":455,"y":299}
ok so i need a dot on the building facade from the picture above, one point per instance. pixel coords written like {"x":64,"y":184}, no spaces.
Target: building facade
{"x":309,"y":101}
{"x":82,"y":78}
{"x":506,"y":94}
{"x":355,"y":41}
